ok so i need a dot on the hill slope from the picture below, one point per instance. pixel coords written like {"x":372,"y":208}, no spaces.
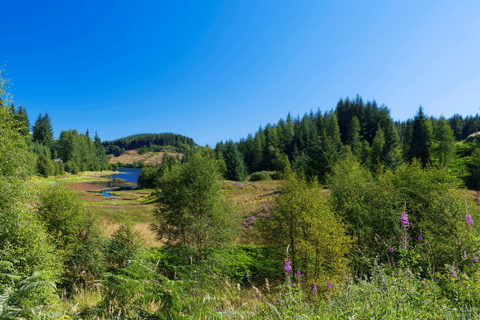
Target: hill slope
{"x":146,"y":140}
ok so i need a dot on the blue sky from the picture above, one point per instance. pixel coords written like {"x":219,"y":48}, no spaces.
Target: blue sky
{"x":214,"y":70}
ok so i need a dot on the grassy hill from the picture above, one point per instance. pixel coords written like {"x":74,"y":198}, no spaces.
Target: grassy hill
{"x":148,"y":158}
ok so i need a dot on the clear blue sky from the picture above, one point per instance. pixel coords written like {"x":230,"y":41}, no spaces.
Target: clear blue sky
{"x":214,"y":70}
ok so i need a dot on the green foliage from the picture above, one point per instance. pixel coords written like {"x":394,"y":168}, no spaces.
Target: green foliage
{"x":371,"y":208}
{"x":150,"y":176}
{"x":445,"y":142}
{"x":43,"y":131}
{"x":421,"y":142}
{"x":45,"y":166}
{"x":24,"y":244}
{"x":191,"y":209}
{"x":353,"y":138}
{"x":377,"y":147}
{"x":132,"y":290}
{"x":262,"y":175}
{"x":126,"y":244}
{"x":79,"y":152}
{"x":302,"y":219}
{"x":74,"y":232}
{"x":136,"y":141}
{"x":29,"y":298}
{"x":236,"y":169}
{"x":242,"y":264}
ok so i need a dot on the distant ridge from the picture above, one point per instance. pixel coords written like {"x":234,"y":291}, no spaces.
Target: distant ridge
{"x":137,"y":141}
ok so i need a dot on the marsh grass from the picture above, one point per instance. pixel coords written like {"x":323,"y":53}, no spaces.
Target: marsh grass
{"x":252,"y":195}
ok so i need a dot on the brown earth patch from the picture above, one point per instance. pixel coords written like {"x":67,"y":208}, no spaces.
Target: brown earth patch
{"x":132,"y":156}
{"x":84,"y":186}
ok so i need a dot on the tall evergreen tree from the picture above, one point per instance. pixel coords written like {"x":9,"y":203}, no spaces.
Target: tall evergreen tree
{"x":332,"y":129}
{"x":43,"y":131}
{"x":353,"y":136}
{"x":259,"y":145}
{"x":236,"y":169}
{"x":421,"y":142}
{"x":456,"y":123}
{"x":21,"y":116}
{"x":377,"y":147}
{"x":390,"y":157}
{"x":445,"y":142}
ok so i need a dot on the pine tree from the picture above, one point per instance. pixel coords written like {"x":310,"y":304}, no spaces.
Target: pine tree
{"x":259,"y":145}
{"x":353,"y":137}
{"x":377,"y":147}
{"x":445,"y":148}
{"x":332,"y":129}
{"x":21,"y":116}
{"x":42,"y":131}
{"x":421,"y":142}
{"x":390,"y":157}
{"x":236,"y":169}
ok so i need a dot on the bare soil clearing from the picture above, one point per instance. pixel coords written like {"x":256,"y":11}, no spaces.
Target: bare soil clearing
{"x":149,"y":158}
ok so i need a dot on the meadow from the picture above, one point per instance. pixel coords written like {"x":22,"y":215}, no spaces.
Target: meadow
{"x":252,"y":281}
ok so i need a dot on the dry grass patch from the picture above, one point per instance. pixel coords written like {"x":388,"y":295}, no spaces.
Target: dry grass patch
{"x":144,"y":229}
{"x":251,"y":195}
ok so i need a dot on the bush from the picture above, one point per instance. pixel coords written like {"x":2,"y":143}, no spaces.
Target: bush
{"x":302,"y":220}
{"x":45,"y":166}
{"x":25,"y":248}
{"x":74,"y":232}
{"x":242,"y":264}
{"x":276,"y":175}
{"x":191,"y":209}
{"x":126,"y":244}
{"x":262,"y":175}
{"x":72,"y":167}
{"x":371,"y":207}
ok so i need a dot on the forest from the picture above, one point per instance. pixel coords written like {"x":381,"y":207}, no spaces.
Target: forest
{"x":138,"y":141}
{"x":344,"y":214}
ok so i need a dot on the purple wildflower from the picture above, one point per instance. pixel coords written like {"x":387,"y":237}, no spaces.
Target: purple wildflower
{"x":314,"y":288}
{"x":391,"y":249}
{"x":420,"y":238}
{"x":475,"y":259}
{"x":288,"y":267}
{"x":452,"y":274}
{"x":404,"y":220}
{"x":468,"y":217}
{"x":278,"y":301}
{"x":329,"y":284}
{"x":299,"y":274}
{"x":479,"y":202}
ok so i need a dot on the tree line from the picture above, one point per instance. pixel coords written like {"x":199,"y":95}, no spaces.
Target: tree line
{"x":315,"y":142}
{"x":150,"y":140}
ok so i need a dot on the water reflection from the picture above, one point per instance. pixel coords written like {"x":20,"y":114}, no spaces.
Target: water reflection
{"x":128,"y":175}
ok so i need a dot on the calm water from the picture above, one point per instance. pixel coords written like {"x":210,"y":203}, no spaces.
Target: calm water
{"x":129,"y":175}
{"x":106,"y":194}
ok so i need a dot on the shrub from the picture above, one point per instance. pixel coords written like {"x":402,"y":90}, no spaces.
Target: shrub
{"x":45,"y":166}
{"x":371,"y":208}
{"x":72,"y":167}
{"x":301,"y":219}
{"x":25,"y":248}
{"x":191,"y":209}
{"x":74,"y":232}
{"x":126,"y":244}
{"x":262,"y":175}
